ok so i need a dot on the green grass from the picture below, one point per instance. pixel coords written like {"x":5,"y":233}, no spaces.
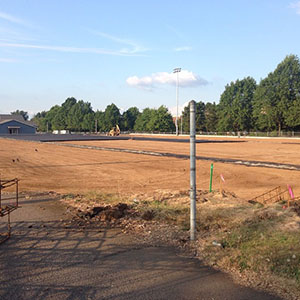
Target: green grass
{"x":164,"y":212}
{"x":257,"y":246}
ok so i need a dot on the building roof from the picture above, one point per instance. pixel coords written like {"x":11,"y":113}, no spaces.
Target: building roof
{"x":11,"y":117}
{"x":18,"y":118}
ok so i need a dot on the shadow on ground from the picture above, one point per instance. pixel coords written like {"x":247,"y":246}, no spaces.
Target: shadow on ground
{"x":55,"y":260}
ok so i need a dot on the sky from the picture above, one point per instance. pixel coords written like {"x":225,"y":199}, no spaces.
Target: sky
{"x":124,"y":52}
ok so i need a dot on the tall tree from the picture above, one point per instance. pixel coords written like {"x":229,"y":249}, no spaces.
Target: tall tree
{"x":40,"y":120}
{"x":112,"y":117}
{"x":211,"y":117}
{"x":161,"y":120}
{"x":77,"y":113}
{"x":277,"y":96}
{"x":88,"y":123}
{"x":235,"y":107}
{"x":155,"y":120}
{"x":293,"y":115}
{"x":142,"y":121}
{"x":50,"y":116}
{"x":99,"y":116}
{"x":129,"y":117}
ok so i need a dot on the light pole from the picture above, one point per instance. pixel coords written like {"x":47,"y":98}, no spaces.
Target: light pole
{"x":177,"y":70}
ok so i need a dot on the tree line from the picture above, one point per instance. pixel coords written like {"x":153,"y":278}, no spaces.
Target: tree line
{"x":79,"y":116}
{"x":271,"y":105}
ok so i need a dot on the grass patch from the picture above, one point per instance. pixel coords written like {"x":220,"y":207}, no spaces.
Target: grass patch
{"x":107,"y":198}
{"x":260,"y":247}
{"x":163,"y":211}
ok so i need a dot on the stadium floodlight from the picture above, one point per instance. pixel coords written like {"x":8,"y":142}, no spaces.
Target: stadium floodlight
{"x":177,"y":70}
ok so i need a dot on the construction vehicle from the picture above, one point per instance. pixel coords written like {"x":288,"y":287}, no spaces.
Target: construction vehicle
{"x":115,"y":131}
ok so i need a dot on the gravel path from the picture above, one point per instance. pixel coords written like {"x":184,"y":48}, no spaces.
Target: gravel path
{"x":47,"y":259}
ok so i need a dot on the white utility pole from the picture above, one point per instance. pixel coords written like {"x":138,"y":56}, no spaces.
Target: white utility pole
{"x":177,"y":70}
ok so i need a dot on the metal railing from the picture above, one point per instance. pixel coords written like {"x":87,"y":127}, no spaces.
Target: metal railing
{"x":8,"y":204}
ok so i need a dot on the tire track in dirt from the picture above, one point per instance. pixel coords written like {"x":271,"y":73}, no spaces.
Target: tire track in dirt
{"x":248,"y":163}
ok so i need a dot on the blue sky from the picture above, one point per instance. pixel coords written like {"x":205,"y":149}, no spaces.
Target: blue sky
{"x":123,"y":52}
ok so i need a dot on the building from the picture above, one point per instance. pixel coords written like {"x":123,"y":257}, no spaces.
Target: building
{"x":15,"y":124}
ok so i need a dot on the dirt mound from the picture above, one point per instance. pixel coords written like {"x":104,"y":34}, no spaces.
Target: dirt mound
{"x":106,"y":213}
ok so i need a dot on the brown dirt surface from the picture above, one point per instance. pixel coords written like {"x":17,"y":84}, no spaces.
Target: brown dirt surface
{"x":42,"y":166}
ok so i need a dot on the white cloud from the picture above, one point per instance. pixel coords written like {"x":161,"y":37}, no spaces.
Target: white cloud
{"x":296,"y":6}
{"x":186,"y":79}
{"x":173,"y":109}
{"x":184,"y":48}
{"x":68,"y":49}
{"x":144,"y":82}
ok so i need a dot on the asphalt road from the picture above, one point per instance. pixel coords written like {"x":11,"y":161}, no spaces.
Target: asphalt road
{"x":83,"y":137}
{"x":45,"y":260}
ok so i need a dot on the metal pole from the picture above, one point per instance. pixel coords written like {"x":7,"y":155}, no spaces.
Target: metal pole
{"x":192,"y":169}
{"x":177,"y":70}
{"x":17,"y":192}
{"x":177,"y":104}
{"x":8,"y":224}
{"x":181,"y":124}
{"x":0,"y":192}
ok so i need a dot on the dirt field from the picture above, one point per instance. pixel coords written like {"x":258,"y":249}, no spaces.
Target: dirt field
{"x":44,"y":167}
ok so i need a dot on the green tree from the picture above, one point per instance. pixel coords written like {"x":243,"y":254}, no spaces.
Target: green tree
{"x":50,"y":116}
{"x":141,"y":123}
{"x":23,"y":113}
{"x":277,"y":95}
{"x":154,"y":120}
{"x":211,"y":117}
{"x":111,"y":117}
{"x":99,"y":116}
{"x":161,"y":120}
{"x":235,"y":107}
{"x":129,"y":117}
{"x":40,"y":120}
{"x":293,"y":116}
{"x":58,"y":122}
{"x":88,"y":123}
{"x":76,"y":115}
{"x":200,"y":117}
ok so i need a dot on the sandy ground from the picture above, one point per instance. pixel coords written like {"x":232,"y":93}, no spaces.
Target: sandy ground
{"x":44,"y":167}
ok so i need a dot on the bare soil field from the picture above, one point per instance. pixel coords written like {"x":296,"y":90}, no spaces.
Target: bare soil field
{"x":44,"y":167}
{"x":249,"y":241}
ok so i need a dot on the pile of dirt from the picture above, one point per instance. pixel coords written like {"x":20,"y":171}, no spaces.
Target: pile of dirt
{"x":107,"y":214}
